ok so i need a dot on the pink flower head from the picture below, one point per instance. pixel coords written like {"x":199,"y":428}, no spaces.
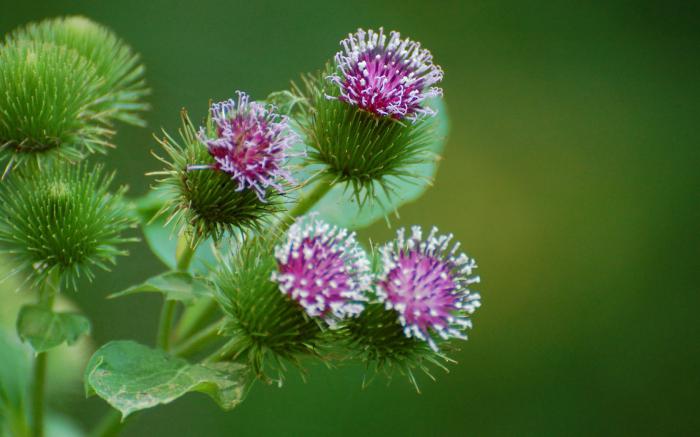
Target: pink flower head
{"x":389,"y":78}
{"x":324,"y":269}
{"x":426,"y":282}
{"x":250,"y":144}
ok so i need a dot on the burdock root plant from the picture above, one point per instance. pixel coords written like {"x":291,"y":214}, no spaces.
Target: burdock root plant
{"x":264,"y":199}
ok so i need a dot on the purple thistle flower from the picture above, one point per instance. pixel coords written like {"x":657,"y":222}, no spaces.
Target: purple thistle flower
{"x":250,"y":145}
{"x":387,"y":78}
{"x":324,"y":269}
{"x":426,"y":282}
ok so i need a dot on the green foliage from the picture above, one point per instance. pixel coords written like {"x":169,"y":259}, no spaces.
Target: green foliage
{"x":367,"y":153}
{"x":44,"y":329}
{"x":376,"y":338}
{"x":122,"y":86}
{"x":48,"y":104}
{"x":178,"y":286}
{"x":61,"y":218}
{"x":132,"y":377}
{"x":206,"y":201}
{"x":266,"y":327}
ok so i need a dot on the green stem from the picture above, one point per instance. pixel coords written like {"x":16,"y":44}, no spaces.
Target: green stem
{"x":183,"y":257}
{"x":184,"y":252}
{"x":193,"y":317}
{"x":38,"y":402}
{"x":200,"y":340}
{"x":110,"y":425}
{"x":307,"y":201}
{"x":38,"y":395}
{"x":167,"y":314}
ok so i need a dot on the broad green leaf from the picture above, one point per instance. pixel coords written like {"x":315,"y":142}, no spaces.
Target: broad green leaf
{"x":178,"y":286}
{"x":44,"y":329}
{"x":132,"y":377}
{"x":339,"y":206}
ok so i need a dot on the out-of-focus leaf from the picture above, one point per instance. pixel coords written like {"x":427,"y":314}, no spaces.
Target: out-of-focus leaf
{"x":44,"y":329}
{"x":132,"y":377}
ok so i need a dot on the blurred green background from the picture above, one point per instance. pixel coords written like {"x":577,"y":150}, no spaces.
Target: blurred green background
{"x":571,"y":174}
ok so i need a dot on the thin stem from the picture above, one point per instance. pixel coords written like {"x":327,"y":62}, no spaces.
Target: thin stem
{"x":184,"y":252}
{"x":183,"y":257}
{"x":110,"y":425}
{"x":200,"y":340}
{"x":308,"y":201}
{"x":46,"y":298}
{"x":167,"y":314}
{"x":193,"y":317}
{"x":38,"y":395}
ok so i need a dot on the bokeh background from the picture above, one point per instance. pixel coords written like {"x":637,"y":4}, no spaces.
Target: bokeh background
{"x":571,"y":174}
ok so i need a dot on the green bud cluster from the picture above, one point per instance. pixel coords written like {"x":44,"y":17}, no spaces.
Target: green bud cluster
{"x":63,"y":82}
{"x":61,"y":218}
{"x":122,"y":85}
{"x":47,"y":103}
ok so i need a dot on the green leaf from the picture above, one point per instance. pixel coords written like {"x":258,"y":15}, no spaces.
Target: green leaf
{"x":132,"y":377}
{"x":341,"y":208}
{"x":44,"y":329}
{"x":178,"y":286}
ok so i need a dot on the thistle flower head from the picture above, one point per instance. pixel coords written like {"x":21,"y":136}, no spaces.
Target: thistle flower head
{"x":426,"y":282}
{"x":323,"y":268}
{"x":47,"y":104}
{"x":265,"y":327}
{"x":61,"y":218}
{"x":122,"y":88}
{"x":207,"y":201}
{"x":387,"y":76}
{"x":250,"y":143}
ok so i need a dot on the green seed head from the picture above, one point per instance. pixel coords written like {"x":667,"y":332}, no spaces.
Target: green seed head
{"x":207,"y":201}
{"x":61,"y":218}
{"x":357,"y":147}
{"x":47,"y":105}
{"x":123,"y":87}
{"x":266,"y":327}
{"x":377,"y":338}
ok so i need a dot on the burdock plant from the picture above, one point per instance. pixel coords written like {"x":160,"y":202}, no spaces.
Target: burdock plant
{"x":264,"y":277}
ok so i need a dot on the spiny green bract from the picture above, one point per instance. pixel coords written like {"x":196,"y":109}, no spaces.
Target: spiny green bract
{"x":47,"y":104}
{"x":123,"y":85}
{"x":207,"y":201}
{"x":377,"y":339}
{"x":266,"y":327}
{"x":61,"y":218}
{"x":357,"y":147}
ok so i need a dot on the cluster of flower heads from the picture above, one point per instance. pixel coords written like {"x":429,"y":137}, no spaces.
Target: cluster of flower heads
{"x":424,"y":280}
{"x":324,"y":269}
{"x":389,"y":78}
{"x":250,"y":143}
